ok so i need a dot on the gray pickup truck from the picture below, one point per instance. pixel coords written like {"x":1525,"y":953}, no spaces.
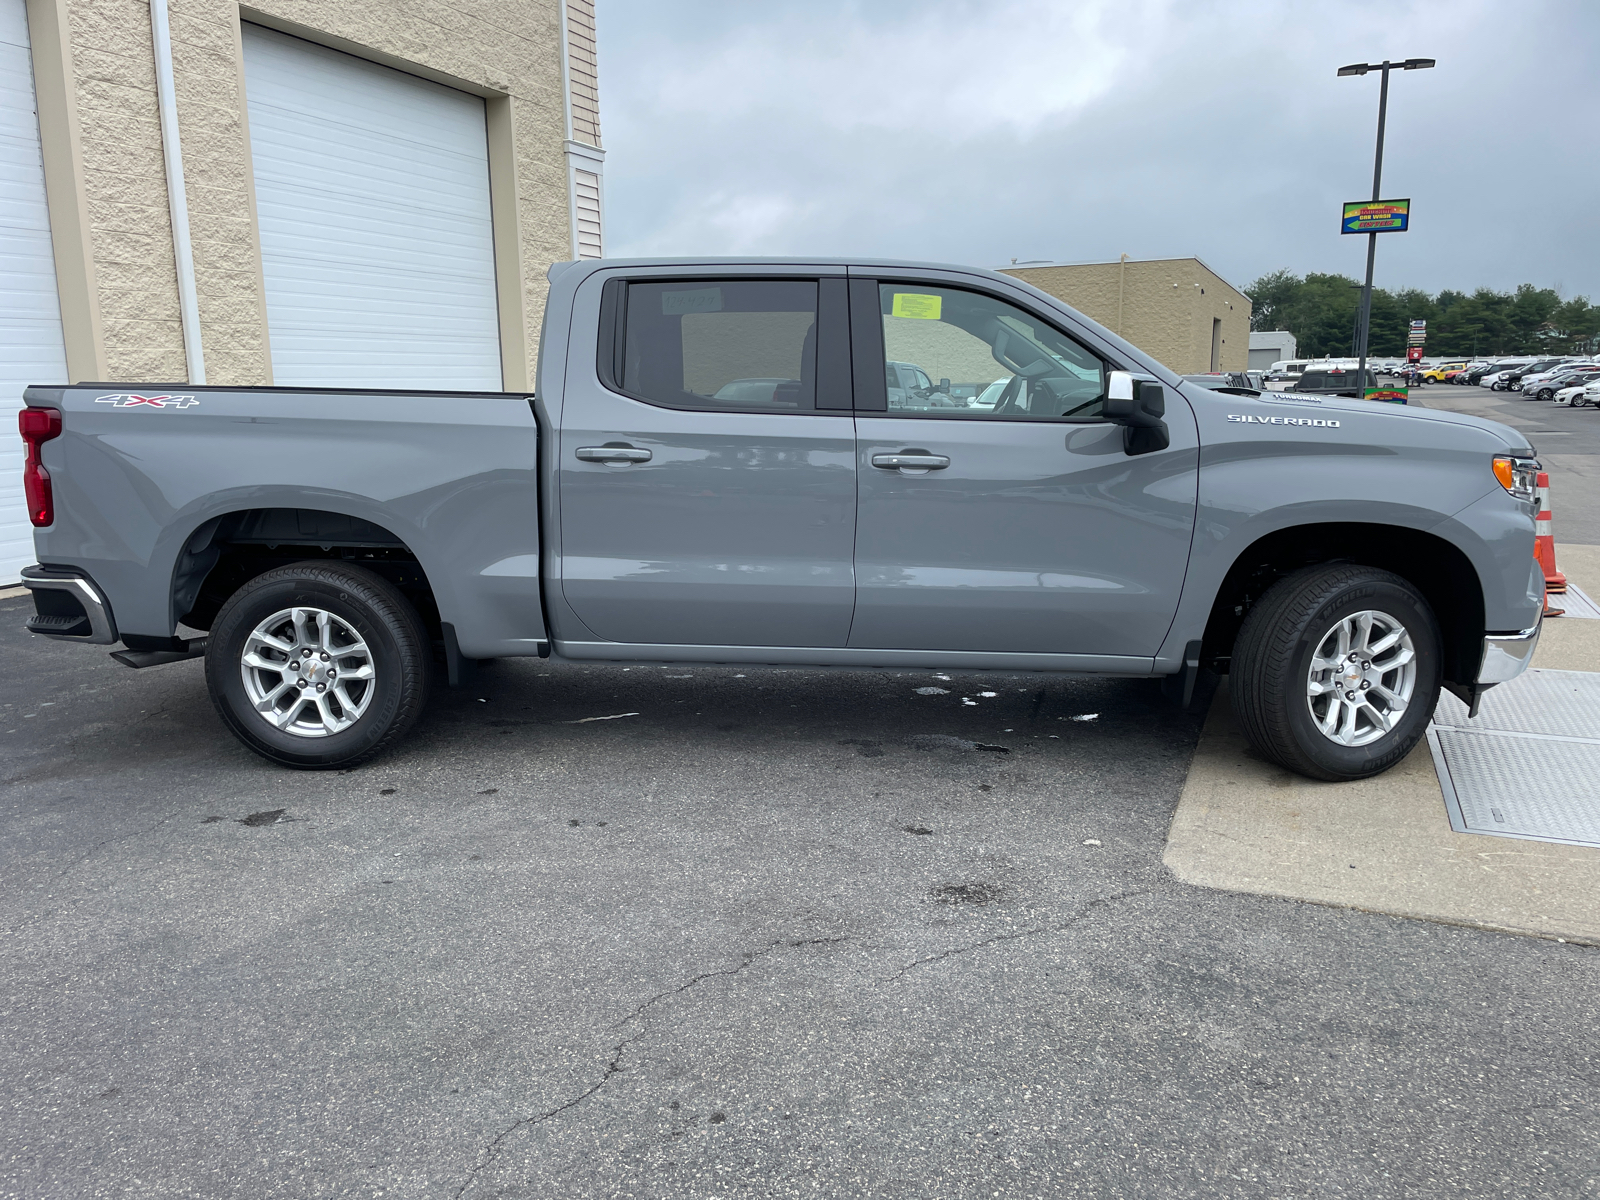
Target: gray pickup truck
{"x":712,"y":471}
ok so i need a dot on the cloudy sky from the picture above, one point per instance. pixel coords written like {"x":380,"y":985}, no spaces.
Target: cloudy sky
{"x":979,"y":131}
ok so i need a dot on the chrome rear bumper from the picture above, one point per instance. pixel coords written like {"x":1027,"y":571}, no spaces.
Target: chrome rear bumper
{"x":61,"y":620}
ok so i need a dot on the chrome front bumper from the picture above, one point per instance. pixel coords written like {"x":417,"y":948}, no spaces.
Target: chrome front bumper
{"x":1507,"y":655}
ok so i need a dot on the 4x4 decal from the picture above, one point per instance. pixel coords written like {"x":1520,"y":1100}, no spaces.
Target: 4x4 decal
{"x":128,"y":400}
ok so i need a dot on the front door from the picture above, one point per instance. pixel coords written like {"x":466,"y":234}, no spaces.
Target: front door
{"x":999,"y":511}
{"x":707,"y":465}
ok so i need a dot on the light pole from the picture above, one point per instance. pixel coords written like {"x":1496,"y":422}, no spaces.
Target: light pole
{"x":1410,"y":64}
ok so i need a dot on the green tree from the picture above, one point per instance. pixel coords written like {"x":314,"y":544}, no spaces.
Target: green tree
{"x":1320,"y":311}
{"x":1575,"y":327}
{"x":1269,"y":296}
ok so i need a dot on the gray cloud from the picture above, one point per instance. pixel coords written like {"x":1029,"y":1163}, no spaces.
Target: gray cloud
{"x":978,"y":132}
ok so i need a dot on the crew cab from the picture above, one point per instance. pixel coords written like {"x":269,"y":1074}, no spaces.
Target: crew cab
{"x":715,"y":467}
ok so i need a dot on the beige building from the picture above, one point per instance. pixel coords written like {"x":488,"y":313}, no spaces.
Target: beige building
{"x":1178,"y":310}
{"x":294,"y":192}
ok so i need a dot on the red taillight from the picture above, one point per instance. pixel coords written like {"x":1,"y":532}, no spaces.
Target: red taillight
{"x":38,"y":426}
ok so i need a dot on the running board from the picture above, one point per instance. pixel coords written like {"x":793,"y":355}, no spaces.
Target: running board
{"x":194,"y":648}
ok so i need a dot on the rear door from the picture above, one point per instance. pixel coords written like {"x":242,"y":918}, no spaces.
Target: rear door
{"x":1020,"y":527}
{"x":707,"y":461}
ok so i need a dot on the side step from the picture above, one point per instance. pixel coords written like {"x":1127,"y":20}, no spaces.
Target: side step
{"x":193,"y":648}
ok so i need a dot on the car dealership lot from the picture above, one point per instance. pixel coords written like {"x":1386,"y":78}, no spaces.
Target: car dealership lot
{"x":1567,"y":441}
{"x":776,"y":934}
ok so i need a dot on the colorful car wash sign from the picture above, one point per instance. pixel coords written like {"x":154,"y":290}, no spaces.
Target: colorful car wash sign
{"x":1376,"y":216}
{"x":1390,"y":395}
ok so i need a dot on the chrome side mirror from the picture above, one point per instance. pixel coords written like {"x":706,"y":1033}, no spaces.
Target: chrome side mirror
{"x":1138,"y":406}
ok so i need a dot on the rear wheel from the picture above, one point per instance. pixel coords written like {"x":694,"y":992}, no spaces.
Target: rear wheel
{"x":1335,"y":672}
{"x":318,"y":664}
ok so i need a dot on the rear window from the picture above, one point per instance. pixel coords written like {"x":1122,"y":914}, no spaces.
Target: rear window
{"x":720,"y":344}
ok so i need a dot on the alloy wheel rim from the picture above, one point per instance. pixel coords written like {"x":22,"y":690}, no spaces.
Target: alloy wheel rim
{"x":307,"y":672}
{"x":1361,"y":679}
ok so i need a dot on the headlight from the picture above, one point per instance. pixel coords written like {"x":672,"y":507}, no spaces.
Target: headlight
{"x":1519,"y":476}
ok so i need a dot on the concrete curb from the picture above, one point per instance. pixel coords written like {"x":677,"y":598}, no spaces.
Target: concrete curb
{"x":1385,"y":844}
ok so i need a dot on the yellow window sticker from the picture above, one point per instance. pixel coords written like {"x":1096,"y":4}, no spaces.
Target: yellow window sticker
{"x":917,"y":306}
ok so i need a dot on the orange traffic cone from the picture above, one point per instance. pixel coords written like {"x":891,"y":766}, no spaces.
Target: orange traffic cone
{"x":1544,"y":547}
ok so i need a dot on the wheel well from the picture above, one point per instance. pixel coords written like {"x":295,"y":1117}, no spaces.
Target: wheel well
{"x":1437,"y":569}
{"x":228,"y":551}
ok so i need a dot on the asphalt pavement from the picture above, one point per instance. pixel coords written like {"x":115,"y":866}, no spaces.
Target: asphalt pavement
{"x":691,"y":932}
{"x":1567,"y":441}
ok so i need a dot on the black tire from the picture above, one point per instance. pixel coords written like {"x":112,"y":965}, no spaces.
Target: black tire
{"x":1545,"y":394}
{"x":1270,"y":670}
{"x":371,"y":608}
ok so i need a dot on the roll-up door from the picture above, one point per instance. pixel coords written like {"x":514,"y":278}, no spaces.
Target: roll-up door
{"x":30,"y":314}
{"x":376,"y":241}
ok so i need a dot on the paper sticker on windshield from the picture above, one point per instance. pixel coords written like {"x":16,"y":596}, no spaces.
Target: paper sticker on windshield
{"x":917,"y":306}
{"x":700,"y":300}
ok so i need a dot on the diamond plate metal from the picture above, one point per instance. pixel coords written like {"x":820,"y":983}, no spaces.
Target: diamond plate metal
{"x":1575,"y":602}
{"x":1528,"y":765}
{"x":1554,"y":703}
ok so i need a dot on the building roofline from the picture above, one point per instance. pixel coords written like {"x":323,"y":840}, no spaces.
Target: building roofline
{"x":1038,"y":265}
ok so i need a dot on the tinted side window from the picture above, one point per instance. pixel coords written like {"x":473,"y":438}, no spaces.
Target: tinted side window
{"x":720,"y":344}
{"x":992,"y":359}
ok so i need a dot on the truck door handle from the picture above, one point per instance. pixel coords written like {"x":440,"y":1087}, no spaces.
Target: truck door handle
{"x":911,"y":461}
{"x":612,"y":454}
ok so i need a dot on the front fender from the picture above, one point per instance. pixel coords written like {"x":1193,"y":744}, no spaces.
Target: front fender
{"x":1368,"y":467}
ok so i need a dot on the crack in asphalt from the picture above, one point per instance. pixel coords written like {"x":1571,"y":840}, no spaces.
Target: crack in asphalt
{"x":749,"y":958}
{"x":491,"y":1151}
{"x":1018,"y":934}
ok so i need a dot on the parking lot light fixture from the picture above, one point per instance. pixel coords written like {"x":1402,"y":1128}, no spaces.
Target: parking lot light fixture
{"x":1364,"y":321}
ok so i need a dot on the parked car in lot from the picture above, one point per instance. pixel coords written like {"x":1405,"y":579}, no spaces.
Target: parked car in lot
{"x":1437,"y":373}
{"x":1332,"y":381}
{"x":1460,"y":375}
{"x":1481,"y":374}
{"x":1545,"y":385}
{"x":343,"y":550}
{"x":1580,"y":395}
{"x":1237,"y":383}
{"x":1511,"y":381}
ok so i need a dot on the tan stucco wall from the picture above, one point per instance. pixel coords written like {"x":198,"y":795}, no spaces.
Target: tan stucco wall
{"x":1164,"y":306}
{"x":508,"y":53}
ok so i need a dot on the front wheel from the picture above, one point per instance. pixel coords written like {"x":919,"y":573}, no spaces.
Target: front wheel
{"x":1336,"y":670}
{"x":318,"y":664}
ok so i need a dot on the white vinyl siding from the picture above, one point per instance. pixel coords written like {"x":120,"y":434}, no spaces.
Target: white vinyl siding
{"x":583,"y":73}
{"x":376,"y":241}
{"x":30,"y":313}
{"x":586,"y":204}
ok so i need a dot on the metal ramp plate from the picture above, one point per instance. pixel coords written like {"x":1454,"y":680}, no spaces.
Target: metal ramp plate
{"x":1575,"y":602}
{"x":1528,"y":765}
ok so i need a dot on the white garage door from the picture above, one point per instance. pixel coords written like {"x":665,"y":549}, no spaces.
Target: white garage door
{"x":373,"y":192}
{"x":30,"y":314}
